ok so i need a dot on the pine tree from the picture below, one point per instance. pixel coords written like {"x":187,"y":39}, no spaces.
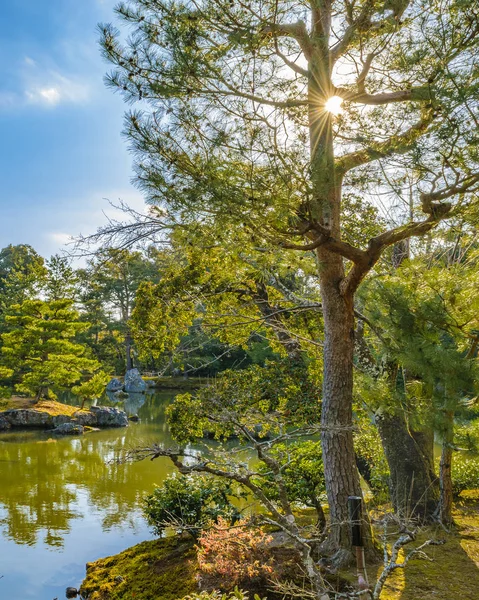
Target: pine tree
{"x":241,"y":127}
{"x":40,"y":355}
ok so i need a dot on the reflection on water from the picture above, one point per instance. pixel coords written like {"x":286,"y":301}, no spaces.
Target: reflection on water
{"x":65,"y":501}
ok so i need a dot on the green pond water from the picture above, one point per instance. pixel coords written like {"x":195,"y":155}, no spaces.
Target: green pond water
{"x":65,"y":501}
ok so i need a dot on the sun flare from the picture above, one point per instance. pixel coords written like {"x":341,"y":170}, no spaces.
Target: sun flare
{"x":333,"y":105}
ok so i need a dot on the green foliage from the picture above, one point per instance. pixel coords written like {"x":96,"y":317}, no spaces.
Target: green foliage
{"x":92,"y":388}
{"x":302,"y":471}
{"x":427,"y":319}
{"x":190,"y":503}
{"x":465,"y":473}
{"x":369,"y":450}
{"x":257,"y":400}
{"x":236,"y":594}
{"x":40,"y":353}
{"x":22,"y":275}
{"x":466,"y":436}
{"x":107,"y":293}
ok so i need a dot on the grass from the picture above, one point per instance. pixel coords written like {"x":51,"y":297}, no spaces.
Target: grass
{"x":162,"y":569}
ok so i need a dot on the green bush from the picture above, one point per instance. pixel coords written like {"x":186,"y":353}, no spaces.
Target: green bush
{"x":189,"y":503}
{"x":302,"y":471}
{"x":466,"y":436}
{"x":236,"y":594}
{"x":465,"y":473}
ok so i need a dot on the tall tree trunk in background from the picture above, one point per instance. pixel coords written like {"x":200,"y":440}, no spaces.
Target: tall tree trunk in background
{"x":128,"y":351}
{"x":445,"y":471}
{"x":413,"y":484}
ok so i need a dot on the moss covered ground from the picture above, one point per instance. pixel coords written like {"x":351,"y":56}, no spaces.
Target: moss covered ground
{"x":453,"y":571}
{"x":51,"y":407}
{"x":165,"y":569}
{"x":162,"y":569}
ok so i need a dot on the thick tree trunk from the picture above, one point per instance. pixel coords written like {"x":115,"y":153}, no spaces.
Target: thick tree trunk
{"x":413,"y":483}
{"x":445,"y":471}
{"x":340,"y":471}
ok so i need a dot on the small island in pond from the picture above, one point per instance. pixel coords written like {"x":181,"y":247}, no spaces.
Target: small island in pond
{"x":62,"y":419}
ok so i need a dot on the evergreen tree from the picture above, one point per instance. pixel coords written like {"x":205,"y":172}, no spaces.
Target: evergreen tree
{"x":241,"y":128}
{"x":109,"y":286}
{"x":429,"y":332}
{"x":40,"y":354}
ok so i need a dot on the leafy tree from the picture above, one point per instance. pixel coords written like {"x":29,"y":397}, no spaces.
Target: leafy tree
{"x":40,"y":353}
{"x":110,"y":283}
{"x":22,"y":274}
{"x":240,"y":128}
{"x":302,"y":469}
{"x":62,"y":279}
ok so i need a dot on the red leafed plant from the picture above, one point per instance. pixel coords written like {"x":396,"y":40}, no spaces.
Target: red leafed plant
{"x":234,"y":553}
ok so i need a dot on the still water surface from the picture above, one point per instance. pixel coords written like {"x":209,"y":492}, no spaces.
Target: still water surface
{"x":64,"y":503}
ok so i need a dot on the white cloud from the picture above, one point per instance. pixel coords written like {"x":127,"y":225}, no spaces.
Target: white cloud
{"x":60,"y":238}
{"x":52,"y":88}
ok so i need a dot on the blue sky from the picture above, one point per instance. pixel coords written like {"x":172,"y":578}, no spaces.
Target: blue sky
{"x":61,"y":150}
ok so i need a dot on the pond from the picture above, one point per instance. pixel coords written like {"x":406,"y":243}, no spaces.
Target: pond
{"x":63,"y":502}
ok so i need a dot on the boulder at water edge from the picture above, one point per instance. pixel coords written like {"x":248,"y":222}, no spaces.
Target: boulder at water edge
{"x":69,"y":429}
{"x":108,"y":416}
{"x":114,"y":385}
{"x":4,"y":424}
{"x":134,"y":382}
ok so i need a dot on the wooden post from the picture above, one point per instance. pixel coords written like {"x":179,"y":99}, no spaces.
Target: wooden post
{"x":355,"y":514}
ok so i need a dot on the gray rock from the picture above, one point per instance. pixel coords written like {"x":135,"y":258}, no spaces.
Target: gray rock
{"x":108,"y":416}
{"x":4,"y":424}
{"x":60,"y":419}
{"x":85,"y":418}
{"x":134,"y":382}
{"x":69,"y":429}
{"x":26,"y":417}
{"x":114,"y":385}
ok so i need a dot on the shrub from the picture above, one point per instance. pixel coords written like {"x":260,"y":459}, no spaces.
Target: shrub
{"x":465,"y":473}
{"x":234,"y":554}
{"x":302,"y":471}
{"x":236,"y":594}
{"x":188,"y":503}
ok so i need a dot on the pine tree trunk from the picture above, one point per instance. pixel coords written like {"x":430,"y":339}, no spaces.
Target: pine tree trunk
{"x":340,"y":470}
{"x":445,"y":472}
{"x":129,"y":359}
{"x":413,"y":484}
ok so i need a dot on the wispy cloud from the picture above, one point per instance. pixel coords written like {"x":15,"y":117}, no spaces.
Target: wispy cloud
{"x":51,"y":88}
{"x":40,"y":81}
{"x":60,"y":238}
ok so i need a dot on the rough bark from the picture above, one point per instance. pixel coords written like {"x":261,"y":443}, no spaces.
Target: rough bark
{"x":340,"y":471}
{"x":445,"y":471}
{"x":413,"y":484}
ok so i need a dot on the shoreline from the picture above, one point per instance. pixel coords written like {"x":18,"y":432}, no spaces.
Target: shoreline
{"x":62,"y":419}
